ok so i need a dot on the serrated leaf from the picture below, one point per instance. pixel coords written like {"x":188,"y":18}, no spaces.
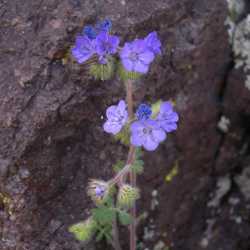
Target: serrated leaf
{"x":118,"y":166}
{"x":103,"y":214}
{"x":83,"y":230}
{"x":137,"y":166}
{"x":125,"y":218}
{"x":104,"y":232}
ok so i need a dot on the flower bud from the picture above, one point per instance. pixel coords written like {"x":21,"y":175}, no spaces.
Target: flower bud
{"x":98,"y":190}
{"x":127,"y":196}
{"x":83,"y":231}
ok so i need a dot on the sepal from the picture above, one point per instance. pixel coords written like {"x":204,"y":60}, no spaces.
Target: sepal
{"x":128,"y":75}
{"x":103,"y":71}
{"x":127,"y":196}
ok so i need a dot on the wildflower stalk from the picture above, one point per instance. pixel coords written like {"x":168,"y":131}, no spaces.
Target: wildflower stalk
{"x":116,"y":240}
{"x":130,"y":161}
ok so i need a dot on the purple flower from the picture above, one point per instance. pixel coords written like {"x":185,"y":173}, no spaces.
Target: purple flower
{"x":106,"y":45}
{"x":84,"y":49}
{"x":143,"y":112}
{"x":147,"y":134}
{"x":117,"y":117}
{"x":136,"y":56}
{"x":153,"y":43}
{"x":167,"y":118}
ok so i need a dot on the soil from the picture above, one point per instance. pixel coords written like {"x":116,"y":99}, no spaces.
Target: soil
{"x":51,"y":116}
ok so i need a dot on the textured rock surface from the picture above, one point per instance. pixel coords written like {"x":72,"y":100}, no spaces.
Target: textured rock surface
{"x":51,"y":139}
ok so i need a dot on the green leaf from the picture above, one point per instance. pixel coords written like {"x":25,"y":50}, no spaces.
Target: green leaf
{"x":104,"y":232}
{"x":137,"y":166}
{"x":125,"y":218}
{"x":118,"y":166}
{"x":83,"y":231}
{"x":103,"y":214}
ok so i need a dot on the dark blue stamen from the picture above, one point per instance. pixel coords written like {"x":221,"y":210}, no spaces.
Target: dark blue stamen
{"x":143,"y":112}
{"x":90,"y":32}
{"x":105,"y":25}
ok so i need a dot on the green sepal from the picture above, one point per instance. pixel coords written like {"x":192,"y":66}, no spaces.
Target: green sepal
{"x":124,"y":135}
{"x":83,"y":231}
{"x":128,"y":75}
{"x":124,"y":218}
{"x":127,"y":196}
{"x":103,"y":71}
{"x":155,"y":109}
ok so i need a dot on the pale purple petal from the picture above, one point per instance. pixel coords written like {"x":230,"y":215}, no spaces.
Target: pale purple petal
{"x":153,"y":43}
{"x":167,"y":118}
{"x":110,"y":112}
{"x":111,"y":127}
{"x":84,"y":49}
{"x":147,"y":57}
{"x":159,"y":135}
{"x":117,"y":117}
{"x":128,"y":64}
{"x":140,"y":67}
{"x":150,"y":145}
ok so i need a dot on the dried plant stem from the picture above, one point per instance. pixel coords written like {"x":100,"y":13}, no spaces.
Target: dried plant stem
{"x":130,"y":160}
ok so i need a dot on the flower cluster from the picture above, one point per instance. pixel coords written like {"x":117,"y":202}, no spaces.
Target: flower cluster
{"x":96,"y":40}
{"x":146,"y":131}
{"x":136,"y":56}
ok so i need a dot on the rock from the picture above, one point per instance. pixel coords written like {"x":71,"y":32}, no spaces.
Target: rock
{"x":243,"y":181}
{"x":50,"y":115}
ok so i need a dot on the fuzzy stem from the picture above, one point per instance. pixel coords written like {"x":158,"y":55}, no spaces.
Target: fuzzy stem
{"x":130,"y":160}
{"x":116,"y":243}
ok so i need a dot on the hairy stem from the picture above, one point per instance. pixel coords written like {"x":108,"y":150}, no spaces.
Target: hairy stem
{"x":116,"y":243}
{"x":130,"y":160}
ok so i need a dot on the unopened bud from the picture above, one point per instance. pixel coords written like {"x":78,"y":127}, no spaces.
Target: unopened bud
{"x":127,"y":196}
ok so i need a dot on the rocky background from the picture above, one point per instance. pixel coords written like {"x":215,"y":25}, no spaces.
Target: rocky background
{"x":51,"y":116}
